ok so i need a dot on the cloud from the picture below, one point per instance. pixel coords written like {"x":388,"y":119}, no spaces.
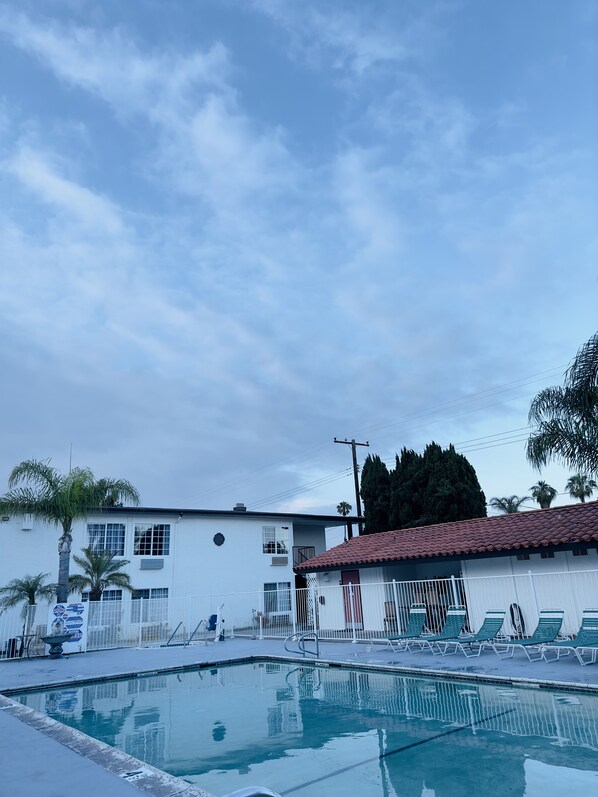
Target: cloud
{"x":111,"y":66}
{"x":191,"y":295}
{"x":97,"y":214}
{"x":346,"y":38}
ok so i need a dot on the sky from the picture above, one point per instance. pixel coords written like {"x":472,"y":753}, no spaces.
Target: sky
{"x":233,"y":230}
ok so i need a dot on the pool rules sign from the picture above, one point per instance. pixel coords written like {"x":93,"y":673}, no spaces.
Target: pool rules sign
{"x":70,"y":618}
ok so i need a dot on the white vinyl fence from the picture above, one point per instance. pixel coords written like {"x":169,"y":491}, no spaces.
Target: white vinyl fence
{"x":356,"y":612}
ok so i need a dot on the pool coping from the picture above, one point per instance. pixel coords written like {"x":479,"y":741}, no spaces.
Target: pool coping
{"x":527,"y":683}
{"x":156,"y":782}
{"x":153,"y":781}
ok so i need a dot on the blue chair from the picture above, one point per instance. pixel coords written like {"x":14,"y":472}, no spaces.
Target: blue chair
{"x":453,"y":625}
{"x":547,"y":630}
{"x":415,"y":626}
{"x":585,"y":641}
{"x":473,"y":644}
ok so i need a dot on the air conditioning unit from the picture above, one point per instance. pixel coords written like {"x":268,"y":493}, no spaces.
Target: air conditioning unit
{"x":280,"y":561}
{"x":27,"y":523}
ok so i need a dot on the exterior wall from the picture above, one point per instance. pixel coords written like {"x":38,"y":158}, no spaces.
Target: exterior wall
{"x":514,"y":581}
{"x":566,"y":581}
{"x":194,"y":566}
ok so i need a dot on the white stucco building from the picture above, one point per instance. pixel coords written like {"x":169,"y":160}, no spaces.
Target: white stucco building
{"x":547,"y":558}
{"x":240,"y":558}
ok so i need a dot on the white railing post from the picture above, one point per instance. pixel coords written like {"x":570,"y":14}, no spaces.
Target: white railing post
{"x":456,"y":600}
{"x":140,"y":620}
{"x":294,"y":608}
{"x":395,"y":598}
{"x":352,"y":611}
{"x":534,"y":595}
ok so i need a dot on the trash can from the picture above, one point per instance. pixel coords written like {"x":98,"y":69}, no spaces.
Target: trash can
{"x":12,"y":648}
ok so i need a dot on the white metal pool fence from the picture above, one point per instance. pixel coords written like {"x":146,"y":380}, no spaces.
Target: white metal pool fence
{"x":356,"y":612}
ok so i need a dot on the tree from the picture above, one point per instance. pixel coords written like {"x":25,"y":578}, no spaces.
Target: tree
{"x":543,"y":493}
{"x":567,"y":417}
{"x":375,"y":491}
{"x":344,"y":508}
{"x":437,"y":486}
{"x":28,"y":591}
{"x":100,"y":570}
{"x":580,"y":487}
{"x":37,"y":489}
{"x":508,"y":504}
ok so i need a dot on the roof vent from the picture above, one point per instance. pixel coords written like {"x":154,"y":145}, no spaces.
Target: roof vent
{"x":239,"y":508}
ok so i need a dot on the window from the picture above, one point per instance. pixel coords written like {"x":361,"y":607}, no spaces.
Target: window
{"x":547,"y":555}
{"x":522,"y":557}
{"x":277,"y":597}
{"x":153,"y":608}
{"x":152,"y":540}
{"x":275,"y":540}
{"x":107,"y":537}
{"x":580,"y":552}
{"x":107,"y":611}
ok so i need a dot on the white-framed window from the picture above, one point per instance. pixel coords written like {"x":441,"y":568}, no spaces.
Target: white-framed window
{"x":152,"y":609}
{"x":108,"y":610}
{"x":152,"y":539}
{"x":277,"y":597}
{"x":107,"y":537}
{"x":275,"y":540}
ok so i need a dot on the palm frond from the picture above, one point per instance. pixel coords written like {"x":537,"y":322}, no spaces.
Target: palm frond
{"x":583,"y":371}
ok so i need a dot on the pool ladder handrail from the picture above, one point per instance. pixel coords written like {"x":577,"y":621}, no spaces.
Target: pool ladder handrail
{"x":301,"y":639}
{"x":251,"y":791}
{"x":190,"y":638}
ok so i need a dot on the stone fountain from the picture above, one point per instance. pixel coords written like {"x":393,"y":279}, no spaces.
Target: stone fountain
{"x":56,"y":641}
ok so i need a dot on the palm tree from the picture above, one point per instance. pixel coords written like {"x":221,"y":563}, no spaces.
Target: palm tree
{"x":543,"y":493}
{"x":100,"y":570}
{"x":567,"y":417}
{"x":580,"y":487}
{"x":508,"y":504}
{"x":27,"y":590}
{"x":37,"y":489}
{"x":344,"y":508}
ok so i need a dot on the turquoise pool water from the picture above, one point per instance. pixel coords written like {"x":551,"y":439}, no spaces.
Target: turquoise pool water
{"x":315,"y":731}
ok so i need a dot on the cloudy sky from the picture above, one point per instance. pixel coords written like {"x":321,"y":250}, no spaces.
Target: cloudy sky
{"x":232,"y":230}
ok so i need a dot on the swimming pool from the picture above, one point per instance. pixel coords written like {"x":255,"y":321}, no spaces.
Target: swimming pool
{"x":313,"y":730}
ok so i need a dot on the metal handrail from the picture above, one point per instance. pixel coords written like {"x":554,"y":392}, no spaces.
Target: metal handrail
{"x":196,"y":629}
{"x":301,"y":640}
{"x":172,"y":636}
{"x":257,"y":791}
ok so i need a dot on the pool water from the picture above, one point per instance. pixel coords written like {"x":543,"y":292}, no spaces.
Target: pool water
{"x":315,"y":731}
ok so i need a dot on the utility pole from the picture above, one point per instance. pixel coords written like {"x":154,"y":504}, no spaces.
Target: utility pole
{"x":353,"y":445}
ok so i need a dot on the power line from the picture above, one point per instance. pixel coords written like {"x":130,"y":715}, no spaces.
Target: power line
{"x":312,"y":452}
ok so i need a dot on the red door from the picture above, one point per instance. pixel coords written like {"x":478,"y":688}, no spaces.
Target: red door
{"x":352,"y":598}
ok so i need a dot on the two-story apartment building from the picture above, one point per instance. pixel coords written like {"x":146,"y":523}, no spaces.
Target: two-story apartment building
{"x":241,"y":558}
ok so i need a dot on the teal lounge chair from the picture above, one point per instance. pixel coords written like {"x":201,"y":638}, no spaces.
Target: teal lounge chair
{"x":547,"y":630}
{"x":585,"y":642}
{"x":473,"y":644}
{"x":415,"y":626}
{"x":453,"y":625}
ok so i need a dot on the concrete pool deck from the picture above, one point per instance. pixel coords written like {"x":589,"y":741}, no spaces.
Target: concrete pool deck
{"x":41,"y":757}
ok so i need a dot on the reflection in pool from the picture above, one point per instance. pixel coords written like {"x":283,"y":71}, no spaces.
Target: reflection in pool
{"x":313,"y":730}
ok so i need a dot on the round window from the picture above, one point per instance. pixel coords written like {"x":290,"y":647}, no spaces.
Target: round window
{"x":218,"y":539}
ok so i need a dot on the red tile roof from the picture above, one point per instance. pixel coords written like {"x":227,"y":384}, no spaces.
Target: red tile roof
{"x":540,"y":528}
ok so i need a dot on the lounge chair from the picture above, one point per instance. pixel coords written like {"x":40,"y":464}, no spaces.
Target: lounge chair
{"x":586,"y":640}
{"x":473,"y":644}
{"x":453,"y":625}
{"x":547,"y":630}
{"x":415,"y":626}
